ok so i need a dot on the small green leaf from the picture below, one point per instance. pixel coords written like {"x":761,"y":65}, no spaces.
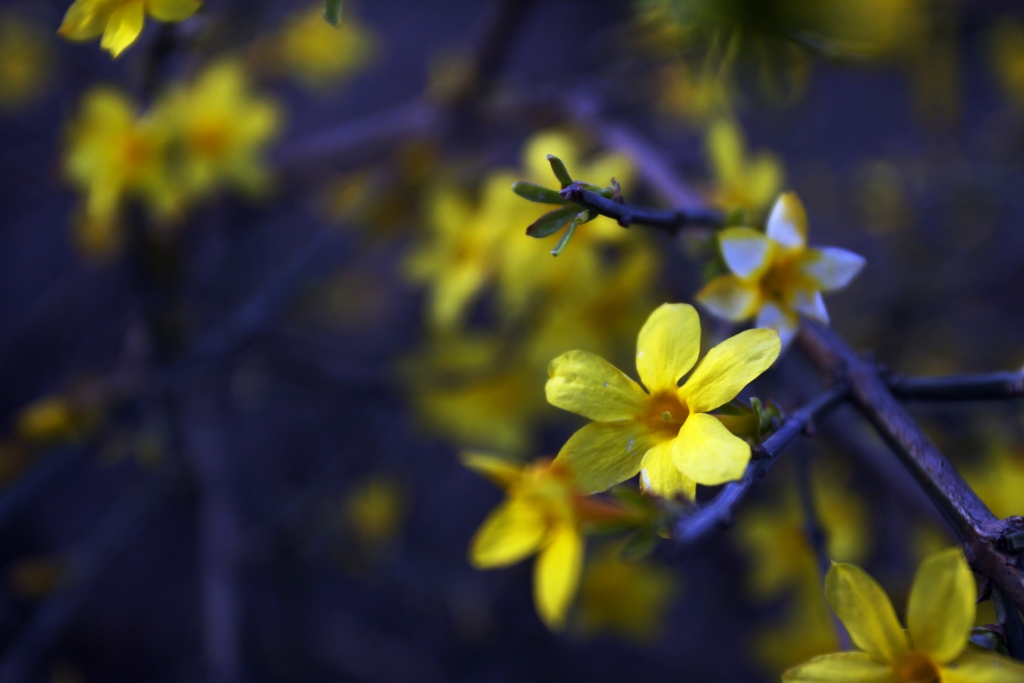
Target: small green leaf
{"x":638,"y":546}
{"x":537,"y":193}
{"x":581,"y":218}
{"x":332,"y":12}
{"x":551,"y":222}
{"x":560,"y":171}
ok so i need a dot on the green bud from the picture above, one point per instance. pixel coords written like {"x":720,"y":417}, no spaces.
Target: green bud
{"x":551,"y":222}
{"x":536,"y":193}
{"x":560,"y":171}
{"x":332,"y":12}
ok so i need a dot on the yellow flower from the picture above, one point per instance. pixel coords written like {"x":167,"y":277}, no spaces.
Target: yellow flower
{"x":775,"y":275}
{"x":221,"y":129}
{"x":540,"y":515}
{"x":319,"y":54}
{"x":940,"y":615}
{"x":664,"y":433}
{"x":113,"y":154}
{"x":25,"y":61}
{"x":630,"y":599}
{"x":1007,"y":55}
{"x":120,"y":21}
{"x":999,"y":479}
{"x":741,"y":182}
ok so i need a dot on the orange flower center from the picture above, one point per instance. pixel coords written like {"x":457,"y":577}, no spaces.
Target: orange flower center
{"x":665,"y":413}
{"x":211,"y":140}
{"x":916,"y":667}
{"x":782,"y":278}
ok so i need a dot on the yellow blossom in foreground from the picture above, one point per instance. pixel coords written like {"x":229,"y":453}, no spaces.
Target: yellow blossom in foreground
{"x":25,"y":61}
{"x":774,"y":275}
{"x":120,"y":21}
{"x":741,"y":182}
{"x":630,"y":599}
{"x":940,"y":615}
{"x":665,"y":433}
{"x":319,"y":54}
{"x":114,"y":153}
{"x":540,"y":515}
{"x":221,"y":130}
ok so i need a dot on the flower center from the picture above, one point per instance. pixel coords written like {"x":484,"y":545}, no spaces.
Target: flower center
{"x":666,"y":413}
{"x":916,"y":667}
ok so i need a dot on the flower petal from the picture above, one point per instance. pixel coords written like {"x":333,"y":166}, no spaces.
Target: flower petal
{"x":668,"y":346}
{"x":729,"y":367}
{"x":557,"y":575}
{"x":588,"y":385}
{"x":501,"y":471}
{"x":865,"y":610}
{"x":707,"y":452}
{"x":729,"y":297}
{"x":838,"y":667}
{"x":603,"y":454}
{"x":941,"y":609}
{"x":787,"y":223}
{"x":745,"y":250}
{"x":172,"y":10}
{"x":513,"y":530}
{"x":812,"y":305}
{"x":84,"y":20}
{"x":123,"y":26}
{"x":974,"y":666}
{"x":786,"y":323}
{"x":831,"y":267}
{"x":660,"y":476}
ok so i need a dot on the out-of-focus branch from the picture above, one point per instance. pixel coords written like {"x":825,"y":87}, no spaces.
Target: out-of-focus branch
{"x":669,"y":220}
{"x":719,"y":512}
{"x":1009,"y":618}
{"x":983,"y":534}
{"x":989,"y":387}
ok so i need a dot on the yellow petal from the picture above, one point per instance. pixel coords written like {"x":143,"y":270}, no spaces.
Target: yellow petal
{"x":123,"y":27}
{"x":728,"y":368}
{"x":974,"y":666}
{"x":660,"y":476}
{"x":764,"y":178}
{"x":831,"y":267}
{"x":707,"y":452}
{"x":668,"y":346}
{"x":603,"y":454}
{"x":554,"y":142}
{"x":725,"y":150}
{"x":84,"y":20}
{"x":783,"y":321}
{"x":588,"y":385}
{"x":172,"y":10}
{"x":557,"y":575}
{"x":500,"y":471}
{"x":745,"y":250}
{"x":940,"y":613}
{"x":513,"y":530}
{"x":854,"y":667}
{"x":787,"y":223}
{"x":729,"y":297}
{"x":865,"y":610}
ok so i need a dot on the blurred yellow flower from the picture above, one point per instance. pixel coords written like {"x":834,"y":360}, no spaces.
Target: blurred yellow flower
{"x":940,"y":615}
{"x":54,"y":419}
{"x":319,"y":54}
{"x":998,"y":479}
{"x":540,"y":516}
{"x":120,"y":21}
{"x":695,"y":94}
{"x":741,"y":182}
{"x":113,"y":154}
{"x":374,"y":509}
{"x":775,"y":275}
{"x":25,"y":61}
{"x":665,"y":433}
{"x":805,"y":629}
{"x":1007,"y":54}
{"x":221,"y":129}
{"x":629,"y":599}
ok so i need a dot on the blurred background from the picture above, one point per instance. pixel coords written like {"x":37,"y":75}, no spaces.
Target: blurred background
{"x":237,"y":371}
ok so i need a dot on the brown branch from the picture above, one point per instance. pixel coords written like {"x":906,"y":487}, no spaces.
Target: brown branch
{"x":989,"y":387}
{"x":983,"y":534}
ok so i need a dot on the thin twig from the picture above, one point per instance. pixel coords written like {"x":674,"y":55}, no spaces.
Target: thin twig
{"x":989,"y":387}
{"x":983,"y":534}
{"x":1008,"y":616}
{"x":669,"y":220}
{"x":817,"y":537}
{"x":719,"y":512}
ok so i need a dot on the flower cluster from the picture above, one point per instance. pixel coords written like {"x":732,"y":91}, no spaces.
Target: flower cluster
{"x":120,"y":21}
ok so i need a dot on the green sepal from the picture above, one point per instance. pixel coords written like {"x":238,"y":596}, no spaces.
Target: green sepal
{"x":537,"y":193}
{"x":332,"y":12}
{"x":639,"y":546}
{"x":581,"y":218}
{"x":551,"y":222}
{"x":561,"y":173}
